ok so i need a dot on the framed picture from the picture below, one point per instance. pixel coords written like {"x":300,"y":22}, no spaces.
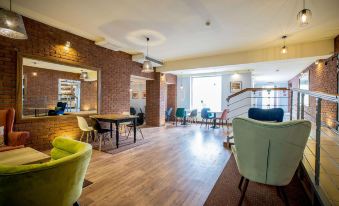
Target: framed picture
{"x":144,"y":94}
{"x":236,"y":86}
{"x":135,"y":95}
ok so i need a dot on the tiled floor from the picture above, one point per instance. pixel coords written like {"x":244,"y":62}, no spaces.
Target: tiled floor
{"x":329,"y":159}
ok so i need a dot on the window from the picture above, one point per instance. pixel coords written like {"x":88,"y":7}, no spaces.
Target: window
{"x":206,"y":92}
{"x":304,"y":84}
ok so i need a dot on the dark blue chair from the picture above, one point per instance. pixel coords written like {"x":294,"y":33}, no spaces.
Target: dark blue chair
{"x":206,"y":115}
{"x":272,"y":115}
{"x":132,"y":111}
{"x":168,"y":114}
{"x":59,"y":109}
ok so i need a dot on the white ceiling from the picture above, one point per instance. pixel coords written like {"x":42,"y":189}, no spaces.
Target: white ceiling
{"x":275,"y":71}
{"x":177,"y":27}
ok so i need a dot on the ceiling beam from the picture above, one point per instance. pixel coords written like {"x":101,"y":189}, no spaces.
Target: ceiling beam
{"x":302,"y":50}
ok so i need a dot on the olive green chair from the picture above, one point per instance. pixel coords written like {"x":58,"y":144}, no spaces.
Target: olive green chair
{"x":268,"y":153}
{"x":54,"y":183}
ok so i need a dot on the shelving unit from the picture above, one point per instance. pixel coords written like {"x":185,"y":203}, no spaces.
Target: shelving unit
{"x":69,"y":91}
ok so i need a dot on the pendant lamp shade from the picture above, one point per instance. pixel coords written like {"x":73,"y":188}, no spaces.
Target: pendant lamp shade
{"x":12,"y":25}
{"x":147,"y":67}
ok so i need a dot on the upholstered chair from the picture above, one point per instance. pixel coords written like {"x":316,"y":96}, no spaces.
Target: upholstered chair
{"x":13,"y":139}
{"x":268,"y":153}
{"x":272,"y":115}
{"x":57,"y":182}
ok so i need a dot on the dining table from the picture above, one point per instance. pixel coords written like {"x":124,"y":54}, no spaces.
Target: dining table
{"x":117,"y":119}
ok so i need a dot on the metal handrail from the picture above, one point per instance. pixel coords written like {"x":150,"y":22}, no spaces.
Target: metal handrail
{"x":322,"y":95}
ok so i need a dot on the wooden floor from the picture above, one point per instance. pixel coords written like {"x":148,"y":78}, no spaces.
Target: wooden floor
{"x":179,"y":166}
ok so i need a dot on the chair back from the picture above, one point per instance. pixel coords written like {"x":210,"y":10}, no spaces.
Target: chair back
{"x":224,"y":114}
{"x":54,"y":183}
{"x":141,"y":119}
{"x":269,"y":153}
{"x":274,"y":114}
{"x":181,"y":113}
{"x":7,"y":120}
{"x":132,"y":111}
{"x":62,"y":105}
{"x":82,"y":123}
{"x":194,"y":113}
{"x":204,"y":113}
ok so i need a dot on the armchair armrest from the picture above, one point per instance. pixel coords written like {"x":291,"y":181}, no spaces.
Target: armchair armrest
{"x":17,"y":138}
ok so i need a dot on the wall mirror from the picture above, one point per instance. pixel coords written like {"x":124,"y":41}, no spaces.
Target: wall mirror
{"x":54,"y":89}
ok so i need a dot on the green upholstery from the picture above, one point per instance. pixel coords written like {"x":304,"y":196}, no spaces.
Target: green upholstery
{"x":54,"y":183}
{"x":180,"y":113}
{"x":269,"y":153}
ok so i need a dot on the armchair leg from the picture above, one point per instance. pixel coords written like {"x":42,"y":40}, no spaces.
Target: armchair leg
{"x":240,"y":183}
{"x":243,"y":192}
{"x":76,"y":204}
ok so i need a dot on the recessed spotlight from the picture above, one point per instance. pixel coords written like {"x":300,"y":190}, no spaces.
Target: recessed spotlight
{"x":277,"y":70}
{"x":207,"y":23}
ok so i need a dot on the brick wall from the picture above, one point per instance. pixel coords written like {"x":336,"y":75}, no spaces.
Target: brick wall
{"x":156,"y":100}
{"x":322,"y":78}
{"x":48,"y":42}
{"x":171,"y":93}
{"x":89,"y":95}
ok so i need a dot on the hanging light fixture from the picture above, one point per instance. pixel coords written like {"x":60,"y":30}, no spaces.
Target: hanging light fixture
{"x":83,"y":75}
{"x":304,"y":16}
{"x":284,"y":47}
{"x":147,"y":66}
{"x":11,"y":24}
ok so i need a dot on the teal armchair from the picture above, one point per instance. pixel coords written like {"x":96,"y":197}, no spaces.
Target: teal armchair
{"x":180,"y":114}
{"x":54,"y":183}
{"x":268,"y":153}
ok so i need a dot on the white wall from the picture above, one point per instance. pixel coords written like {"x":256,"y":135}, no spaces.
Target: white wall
{"x":184,"y":95}
{"x":139,"y":87}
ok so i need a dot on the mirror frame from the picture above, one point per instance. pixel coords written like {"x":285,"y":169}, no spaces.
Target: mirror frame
{"x":19,"y":103}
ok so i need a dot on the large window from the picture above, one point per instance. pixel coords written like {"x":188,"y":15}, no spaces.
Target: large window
{"x":206,"y":92}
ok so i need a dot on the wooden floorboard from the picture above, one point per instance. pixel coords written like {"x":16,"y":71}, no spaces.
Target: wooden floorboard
{"x":179,"y":166}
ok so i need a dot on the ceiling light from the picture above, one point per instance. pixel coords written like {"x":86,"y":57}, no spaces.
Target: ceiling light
{"x":83,"y":75}
{"x":147,"y":66}
{"x":11,"y":24}
{"x":317,"y":62}
{"x":284,"y":47}
{"x":304,"y":16}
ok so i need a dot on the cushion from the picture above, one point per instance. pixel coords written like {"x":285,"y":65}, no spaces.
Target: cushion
{"x":2,"y":136}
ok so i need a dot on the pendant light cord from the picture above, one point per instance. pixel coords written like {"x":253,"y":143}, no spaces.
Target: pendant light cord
{"x":147,"y":46}
{"x":10,"y":5}
{"x":304,"y":4}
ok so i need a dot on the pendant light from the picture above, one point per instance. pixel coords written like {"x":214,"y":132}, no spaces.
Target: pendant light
{"x":304,"y":16}
{"x":147,"y":66}
{"x":284,"y":47}
{"x":11,"y":24}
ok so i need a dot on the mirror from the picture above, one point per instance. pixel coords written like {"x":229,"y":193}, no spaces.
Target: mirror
{"x":54,"y":89}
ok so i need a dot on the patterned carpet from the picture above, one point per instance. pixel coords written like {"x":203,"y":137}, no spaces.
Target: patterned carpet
{"x":226,"y":192}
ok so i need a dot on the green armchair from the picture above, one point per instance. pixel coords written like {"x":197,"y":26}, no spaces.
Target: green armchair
{"x":54,"y":183}
{"x":268,"y":153}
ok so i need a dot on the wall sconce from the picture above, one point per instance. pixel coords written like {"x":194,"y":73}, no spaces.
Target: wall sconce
{"x":130,"y":90}
{"x":35,"y":74}
{"x":68,"y":44}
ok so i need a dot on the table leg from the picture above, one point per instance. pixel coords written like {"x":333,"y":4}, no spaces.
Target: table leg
{"x":35,"y":112}
{"x":215,"y":121}
{"x":117,"y":133}
{"x":111,"y":130}
{"x":135,"y":130}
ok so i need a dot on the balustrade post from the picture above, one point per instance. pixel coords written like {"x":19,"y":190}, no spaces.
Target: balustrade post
{"x":317,"y":140}
{"x":298,"y":105}
{"x":302,"y":106}
{"x":291,"y":106}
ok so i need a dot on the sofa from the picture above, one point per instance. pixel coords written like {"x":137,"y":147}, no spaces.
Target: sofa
{"x":57,"y":182}
{"x":13,"y":139}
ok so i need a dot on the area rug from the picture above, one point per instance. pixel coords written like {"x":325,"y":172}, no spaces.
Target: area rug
{"x":226,"y":192}
{"x":124,"y":144}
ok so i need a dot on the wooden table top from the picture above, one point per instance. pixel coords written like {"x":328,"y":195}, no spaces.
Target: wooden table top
{"x":113,"y":116}
{"x":22,"y":156}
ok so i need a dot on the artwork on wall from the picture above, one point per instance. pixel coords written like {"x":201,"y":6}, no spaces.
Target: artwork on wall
{"x":144,"y":94}
{"x":135,"y":95}
{"x":235,"y":86}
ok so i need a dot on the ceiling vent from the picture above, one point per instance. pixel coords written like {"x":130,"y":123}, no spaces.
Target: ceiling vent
{"x":141,"y":57}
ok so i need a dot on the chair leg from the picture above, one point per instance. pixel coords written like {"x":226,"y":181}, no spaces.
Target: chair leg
{"x":82,"y":135}
{"x":87,"y":136}
{"x":100,"y":141}
{"x":284,"y":196}
{"x":176,"y":121}
{"x":240,"y":183}
{"x":202,"y":121}
{"x":243,"y":192}
{"x":76,"y":204}
{"x":129,"y":132}
{"x":141,"y":134}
